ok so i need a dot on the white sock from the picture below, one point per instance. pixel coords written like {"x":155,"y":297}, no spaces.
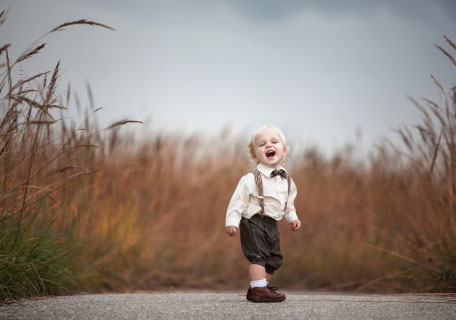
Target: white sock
{"x":258,"y":283}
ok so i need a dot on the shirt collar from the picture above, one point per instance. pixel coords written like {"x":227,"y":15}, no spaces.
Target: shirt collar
{"x":267,"y":170}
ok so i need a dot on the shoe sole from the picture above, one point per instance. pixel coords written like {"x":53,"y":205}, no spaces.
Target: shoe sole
{"x":266,"y":300}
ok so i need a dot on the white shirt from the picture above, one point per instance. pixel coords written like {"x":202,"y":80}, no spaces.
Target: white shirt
{"x":245,"y":202}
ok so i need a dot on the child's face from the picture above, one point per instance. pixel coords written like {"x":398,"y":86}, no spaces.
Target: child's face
{"x":269,"y":149}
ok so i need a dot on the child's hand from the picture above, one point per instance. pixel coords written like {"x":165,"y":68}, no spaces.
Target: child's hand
{"x":231,"y":231}
{"x":295,"y":225}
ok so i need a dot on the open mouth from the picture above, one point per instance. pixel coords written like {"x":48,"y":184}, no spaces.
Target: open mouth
{"x":270,"y":153}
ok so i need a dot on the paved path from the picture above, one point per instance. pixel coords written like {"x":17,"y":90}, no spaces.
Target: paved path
{"x":232,"y":306}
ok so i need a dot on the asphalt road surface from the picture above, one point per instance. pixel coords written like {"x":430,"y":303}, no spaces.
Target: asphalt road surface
{"x":196,"y":305}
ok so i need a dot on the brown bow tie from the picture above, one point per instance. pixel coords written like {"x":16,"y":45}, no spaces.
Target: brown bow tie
{"x":280,"y":172}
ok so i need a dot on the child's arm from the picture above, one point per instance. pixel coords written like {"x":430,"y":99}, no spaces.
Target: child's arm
{"x":238,"y":204}
{"x":290,"y":211}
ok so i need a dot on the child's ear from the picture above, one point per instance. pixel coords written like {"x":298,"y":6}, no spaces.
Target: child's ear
{"x":285,"y":151}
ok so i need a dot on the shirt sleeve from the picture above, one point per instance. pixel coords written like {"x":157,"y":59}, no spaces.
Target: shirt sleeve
{"x":238,"y":204}
{"x":290,"y":211}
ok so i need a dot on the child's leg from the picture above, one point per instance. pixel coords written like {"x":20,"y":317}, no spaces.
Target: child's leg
{"x":257,"y":272}
{"x":257,"y":276}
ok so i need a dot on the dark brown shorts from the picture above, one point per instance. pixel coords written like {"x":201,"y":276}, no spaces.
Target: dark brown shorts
{"x":260,"y":242}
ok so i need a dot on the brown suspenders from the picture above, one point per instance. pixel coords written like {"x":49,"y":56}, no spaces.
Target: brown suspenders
{"x":259,"y":184}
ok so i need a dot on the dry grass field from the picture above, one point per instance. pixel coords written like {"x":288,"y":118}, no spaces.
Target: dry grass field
{"x":84,"y":208}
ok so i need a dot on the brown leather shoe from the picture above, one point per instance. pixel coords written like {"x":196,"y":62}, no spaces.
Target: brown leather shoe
{"x":265,"y":295}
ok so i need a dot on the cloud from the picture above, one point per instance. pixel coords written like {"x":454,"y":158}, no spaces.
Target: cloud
{"x":319,"y":69}
{"x":270,"y":11}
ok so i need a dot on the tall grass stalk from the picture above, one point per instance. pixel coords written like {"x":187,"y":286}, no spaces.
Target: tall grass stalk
{"x":35,"y":253}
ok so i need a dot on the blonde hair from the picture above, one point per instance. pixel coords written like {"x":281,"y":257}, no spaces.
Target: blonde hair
{"x":255,"y":134}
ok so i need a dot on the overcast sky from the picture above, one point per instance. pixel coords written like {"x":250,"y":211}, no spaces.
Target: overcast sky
{"x":321,"y":70}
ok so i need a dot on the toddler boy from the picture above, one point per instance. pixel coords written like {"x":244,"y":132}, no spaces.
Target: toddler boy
{"x":260,"y":200}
